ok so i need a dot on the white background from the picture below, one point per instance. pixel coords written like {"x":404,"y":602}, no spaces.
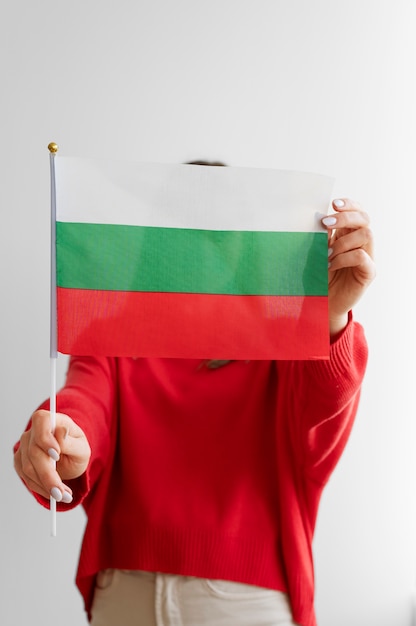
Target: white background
{"x":317,"y":85}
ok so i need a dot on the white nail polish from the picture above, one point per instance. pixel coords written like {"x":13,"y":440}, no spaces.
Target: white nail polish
{"x":67,"y":498}
{"x":56,"y":494}
{"x":53,"y":454}
{"x":330,"y":251}
{"x":339,"y":203}
{"x":329,"y":221}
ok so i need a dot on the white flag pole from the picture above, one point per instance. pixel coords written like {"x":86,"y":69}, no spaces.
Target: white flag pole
{"x":53,"y":149}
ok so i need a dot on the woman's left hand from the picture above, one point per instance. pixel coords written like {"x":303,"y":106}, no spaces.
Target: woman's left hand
{"x":350,"y":255}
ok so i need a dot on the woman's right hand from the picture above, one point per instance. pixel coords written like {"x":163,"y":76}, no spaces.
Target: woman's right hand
{"x":68,"y":446}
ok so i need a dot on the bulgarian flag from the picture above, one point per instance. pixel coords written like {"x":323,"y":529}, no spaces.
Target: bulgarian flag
{"x":188,"y":261}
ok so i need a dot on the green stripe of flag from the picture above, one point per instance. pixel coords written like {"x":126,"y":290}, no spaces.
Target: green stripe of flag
{"x":153,"y":259}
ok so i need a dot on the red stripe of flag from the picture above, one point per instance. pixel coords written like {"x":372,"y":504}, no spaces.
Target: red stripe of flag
{"x":112,"y":323}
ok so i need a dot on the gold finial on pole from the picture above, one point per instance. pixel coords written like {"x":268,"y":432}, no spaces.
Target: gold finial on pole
{"x":53,"y":147}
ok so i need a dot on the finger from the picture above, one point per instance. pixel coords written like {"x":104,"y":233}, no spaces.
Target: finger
{"x":357,"y":259}
{"x":40,"y":476}
{"x":75,"y":452}
{"x":360,"y":238}
{"x":52,"y":443}
{"x":35,"y":460}
{"x":346,"y":204}
{"x":46,"y":473}
{"x":41,"y":432}
{"x":27,"y":473}
{"x":351,"y":219}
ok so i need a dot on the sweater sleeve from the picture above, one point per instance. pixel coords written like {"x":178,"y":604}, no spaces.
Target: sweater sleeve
{"x":326,"y":400}
{"x":89,"y":398}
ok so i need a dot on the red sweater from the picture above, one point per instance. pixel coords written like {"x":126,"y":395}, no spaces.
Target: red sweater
{"x":211,"y":473}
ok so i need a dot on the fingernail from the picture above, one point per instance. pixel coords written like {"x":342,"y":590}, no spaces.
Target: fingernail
{"x":67,"y":498}
{"x":339,"y":203}
{"x":56,"y":494}
{"x":53,"y":454}
{"x":330,"y":251}
{"x":329,"y":221}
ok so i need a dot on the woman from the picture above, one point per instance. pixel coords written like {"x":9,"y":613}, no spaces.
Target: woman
{"x":201,"y":480}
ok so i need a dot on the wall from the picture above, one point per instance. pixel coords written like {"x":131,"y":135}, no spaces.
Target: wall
{"x":326,"y":86}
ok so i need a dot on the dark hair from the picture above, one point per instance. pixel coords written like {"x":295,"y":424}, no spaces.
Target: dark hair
{"x":218,"y":163}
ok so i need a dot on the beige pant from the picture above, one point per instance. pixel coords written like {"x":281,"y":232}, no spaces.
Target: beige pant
{"x":125,"y":598}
